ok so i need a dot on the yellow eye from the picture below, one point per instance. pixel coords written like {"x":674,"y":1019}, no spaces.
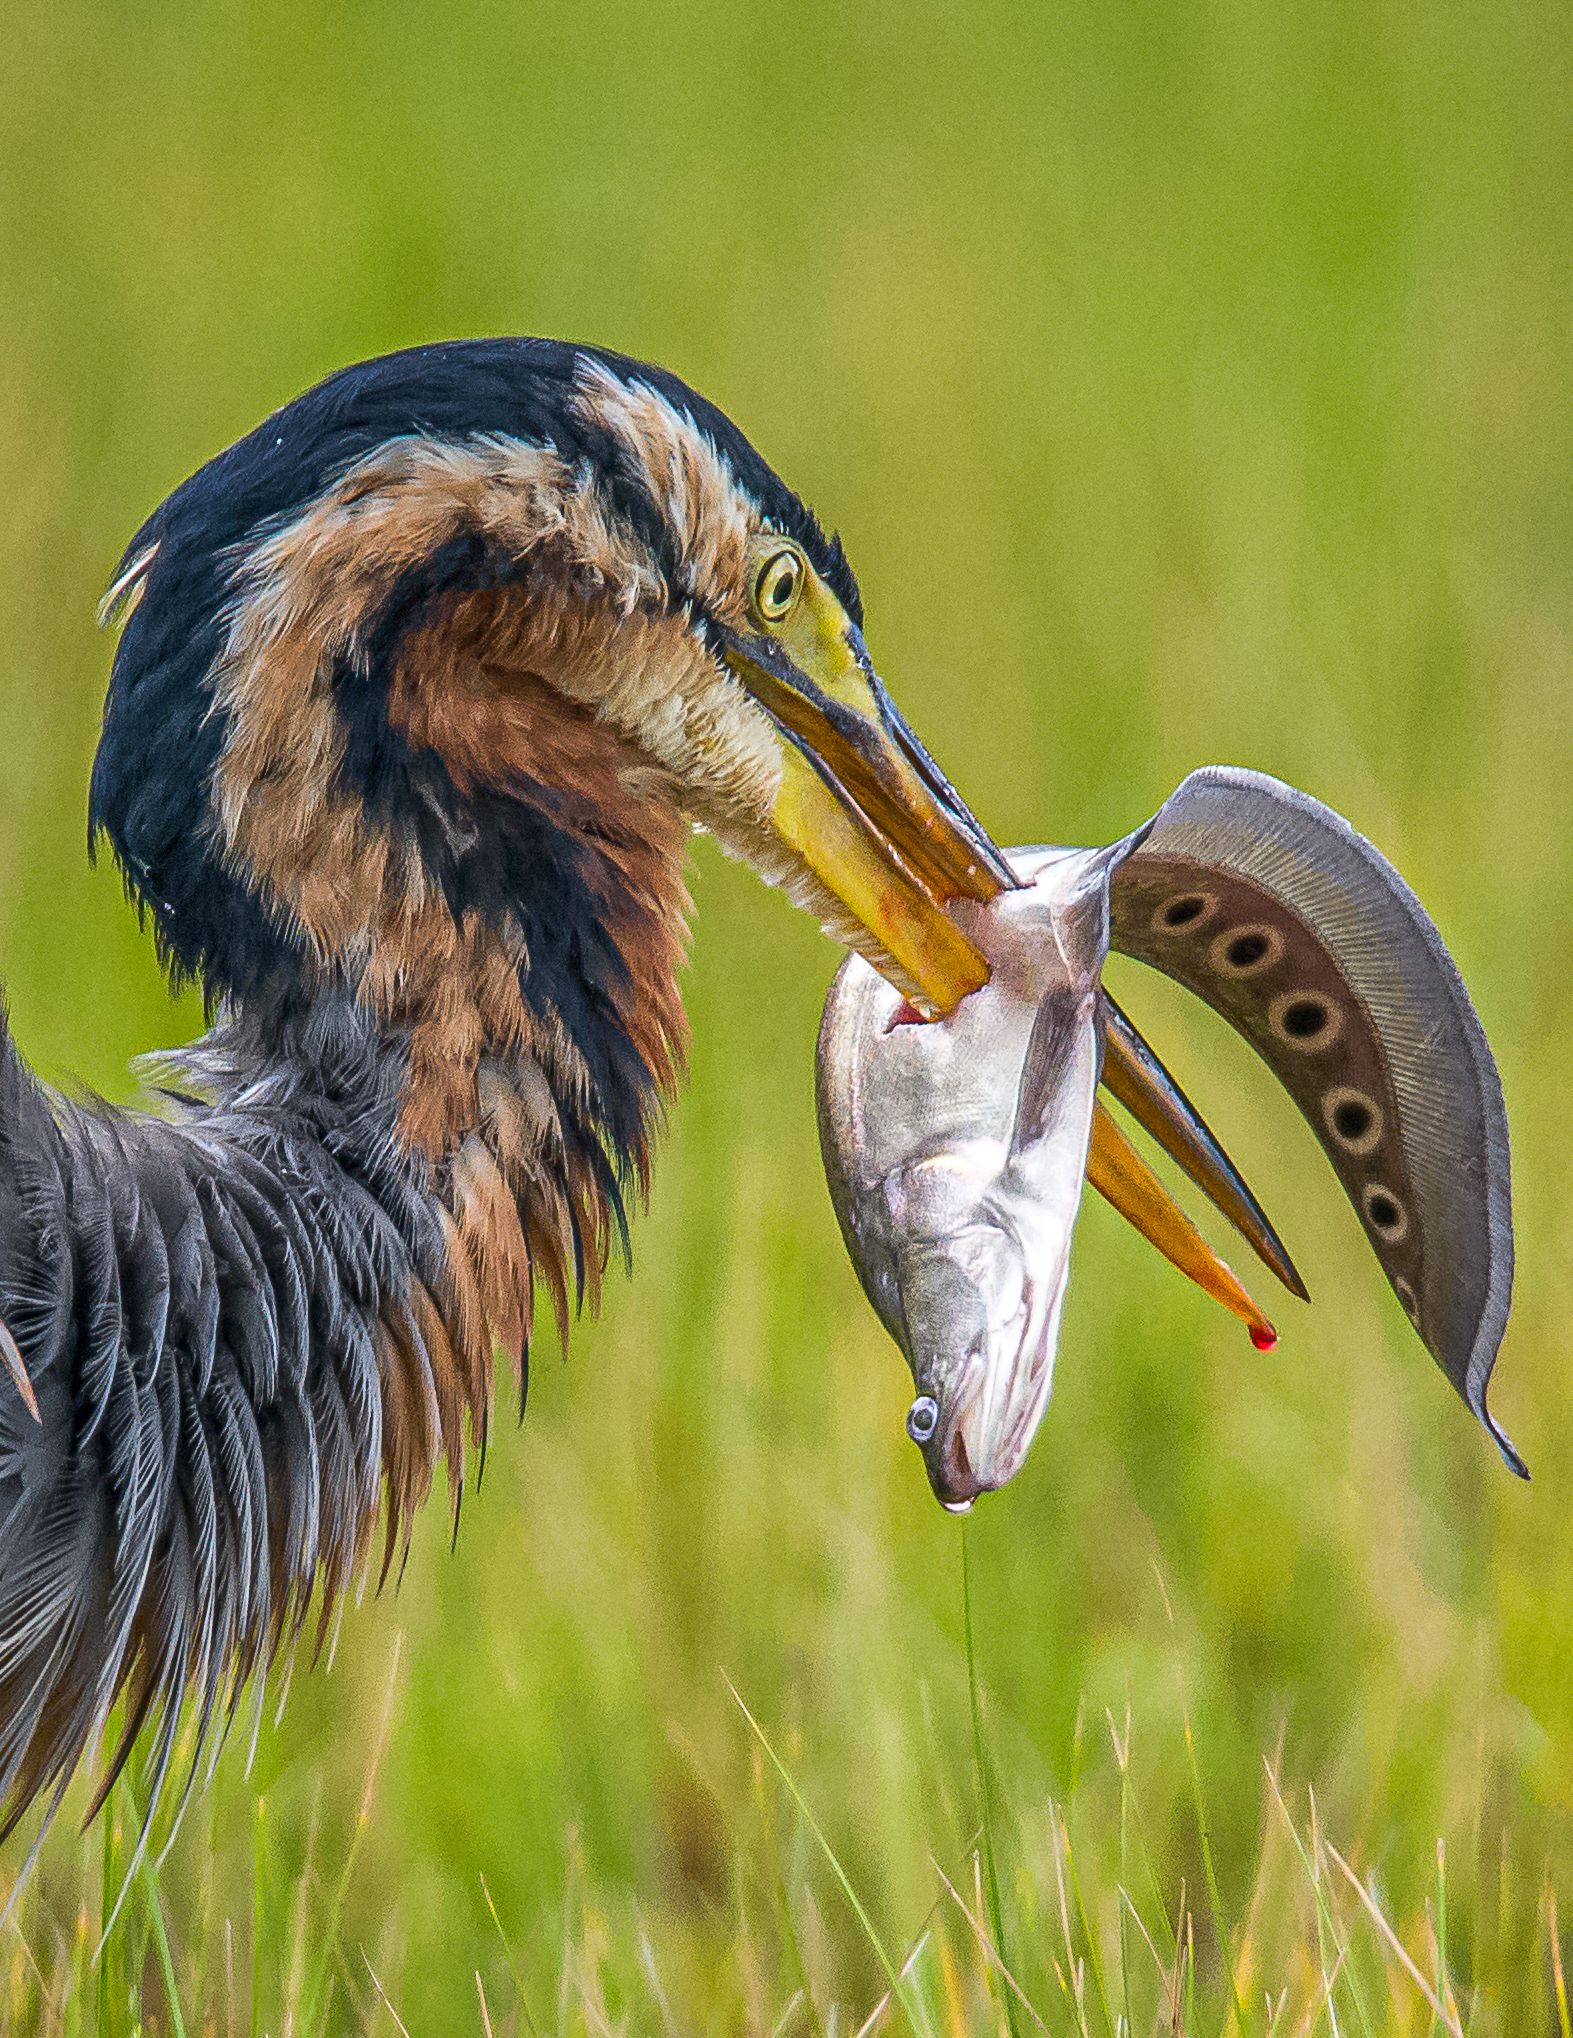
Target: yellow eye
{"x":778,"y":586}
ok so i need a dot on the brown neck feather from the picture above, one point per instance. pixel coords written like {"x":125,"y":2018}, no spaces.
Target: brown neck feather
{"x":491,"y":1078}
{"x":498,"y":1099}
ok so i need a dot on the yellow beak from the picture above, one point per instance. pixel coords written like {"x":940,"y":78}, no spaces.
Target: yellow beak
{"x":865,"y":807}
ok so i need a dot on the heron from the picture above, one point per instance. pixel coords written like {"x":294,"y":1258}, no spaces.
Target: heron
{"x":420,"y":689}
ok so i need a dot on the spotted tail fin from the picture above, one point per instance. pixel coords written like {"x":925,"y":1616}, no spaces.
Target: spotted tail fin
{"x":1275,"y":912}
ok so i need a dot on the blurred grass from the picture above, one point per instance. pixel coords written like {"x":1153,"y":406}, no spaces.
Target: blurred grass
{"x":1189,"y":383}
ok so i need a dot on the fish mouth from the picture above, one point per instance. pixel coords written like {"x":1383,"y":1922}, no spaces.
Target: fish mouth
{"x":986,"y":1432}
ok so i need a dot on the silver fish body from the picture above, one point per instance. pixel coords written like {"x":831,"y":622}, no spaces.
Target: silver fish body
{"x":956,"y":1153}
{"x":956,"y":1150}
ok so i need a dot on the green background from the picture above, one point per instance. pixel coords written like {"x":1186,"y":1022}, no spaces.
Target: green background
{"x":1188,"y":383}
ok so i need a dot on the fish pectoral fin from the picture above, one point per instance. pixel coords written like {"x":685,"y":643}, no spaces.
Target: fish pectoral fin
{"x":1061,"y":1021}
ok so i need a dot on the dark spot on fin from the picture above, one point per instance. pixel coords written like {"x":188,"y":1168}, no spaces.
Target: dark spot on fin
{"x":1306,"y":1018}
{"x":1183,"y":912}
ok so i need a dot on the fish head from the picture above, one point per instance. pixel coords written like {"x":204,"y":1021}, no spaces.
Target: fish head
{"x":980,"y":1322}
{"x":982,"y":1235}
{"x":956,"y":1153}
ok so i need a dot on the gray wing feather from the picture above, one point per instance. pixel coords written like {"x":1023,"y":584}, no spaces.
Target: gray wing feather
{"x":1275,"y":911}
{"x":200,"y":1306}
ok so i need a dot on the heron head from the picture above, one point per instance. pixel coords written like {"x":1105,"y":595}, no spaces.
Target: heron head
{"x":423,"y":682}
{"x":753,"y":688}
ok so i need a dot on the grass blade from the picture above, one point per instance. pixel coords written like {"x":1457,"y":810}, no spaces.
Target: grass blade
{"x":985,"y":1793}
{"x":910,"y":2001}
{"x":161,"y":1942}
{"x":1565,"y":2028}
{"x":1400,"y":1952}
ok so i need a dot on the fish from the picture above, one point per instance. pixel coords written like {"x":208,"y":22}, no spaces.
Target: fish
{"x":956,"y":1149}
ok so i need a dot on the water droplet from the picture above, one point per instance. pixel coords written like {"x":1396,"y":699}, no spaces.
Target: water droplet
{"x":957,"y":1506}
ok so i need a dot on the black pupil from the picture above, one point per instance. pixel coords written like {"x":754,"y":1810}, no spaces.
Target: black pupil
{"x":1384,"y":1212}
{"x":1183,"y":912}
{"x":781,"y":587}
{"x":1352,"y":1120}
{"x":1248,"y":948}
{"x":1305,"y":1018}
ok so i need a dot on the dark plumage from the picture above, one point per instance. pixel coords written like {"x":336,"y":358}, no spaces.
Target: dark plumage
{"x":147,"y":800}
{"x":209,"y":1310}
{"x":420,"y":687}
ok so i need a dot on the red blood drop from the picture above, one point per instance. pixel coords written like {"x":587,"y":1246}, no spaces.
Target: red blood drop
{"x":1263,"y":1336}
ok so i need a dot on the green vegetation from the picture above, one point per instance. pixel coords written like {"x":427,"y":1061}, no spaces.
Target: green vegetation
{"x":1188,"y":384}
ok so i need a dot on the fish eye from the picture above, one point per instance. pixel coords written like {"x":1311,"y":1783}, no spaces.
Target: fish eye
{"x":777,"y":586}
{"x":922,"y":1418}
